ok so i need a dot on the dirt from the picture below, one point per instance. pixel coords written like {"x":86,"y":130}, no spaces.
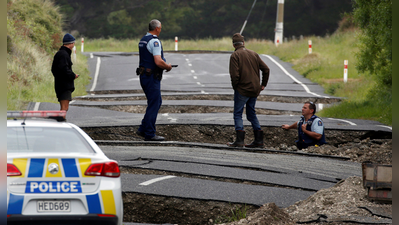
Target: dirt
{"x":344,"y":203}
{"x":358,"y":146}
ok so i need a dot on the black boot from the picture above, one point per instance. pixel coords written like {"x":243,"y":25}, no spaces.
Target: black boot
{"x":258,"y":142}
{"x":240,"y":136}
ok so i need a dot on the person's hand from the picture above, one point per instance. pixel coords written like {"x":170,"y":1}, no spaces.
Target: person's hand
{"x":304,"y":126}
{"x":169,"y":67}
{"x":76,"y":76}
{"x":262,"y":88}
{"x":285,"y":126}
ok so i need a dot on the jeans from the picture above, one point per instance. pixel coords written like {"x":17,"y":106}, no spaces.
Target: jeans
{"x":249,"y":102}
{"x":152,"y":89}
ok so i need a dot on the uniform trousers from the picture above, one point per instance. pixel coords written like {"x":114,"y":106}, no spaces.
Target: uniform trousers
{"x":152,"y":89}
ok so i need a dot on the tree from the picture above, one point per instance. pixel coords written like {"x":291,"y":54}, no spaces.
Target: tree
{"x":374,"y":17}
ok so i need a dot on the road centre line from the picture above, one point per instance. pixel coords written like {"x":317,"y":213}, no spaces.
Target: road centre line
{"x":385,"y":126}
{"x":156,"y":180}
{"x":96,"y":74}
{"x":346,"y":121}
{"x":36,"y":108}
{"x":292,"y":77}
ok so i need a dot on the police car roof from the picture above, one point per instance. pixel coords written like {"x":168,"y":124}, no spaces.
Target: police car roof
{"x":37,"y":123}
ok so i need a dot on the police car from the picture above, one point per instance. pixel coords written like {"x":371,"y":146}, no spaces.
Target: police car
{"x":56,"y":174}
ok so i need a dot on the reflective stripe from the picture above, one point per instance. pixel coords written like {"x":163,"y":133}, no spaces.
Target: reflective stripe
{"x":21,"y":165}
{"x":108,"y":202}
{"x":56,"y":161}
{"x":70,"y":168}
{"x":93,"y":203}
{"x":84,"y":164}
{"x":15,"y":204}
{"x":36,"y":168}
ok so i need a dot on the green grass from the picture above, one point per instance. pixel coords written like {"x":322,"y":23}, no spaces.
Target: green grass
{"x":236,"y":214}
{"x":33,"y":37}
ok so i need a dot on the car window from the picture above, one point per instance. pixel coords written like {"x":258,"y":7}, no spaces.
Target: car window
{"x":46,"y":139}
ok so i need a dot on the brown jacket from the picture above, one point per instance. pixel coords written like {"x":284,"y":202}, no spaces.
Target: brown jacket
{"x":244,"y":70}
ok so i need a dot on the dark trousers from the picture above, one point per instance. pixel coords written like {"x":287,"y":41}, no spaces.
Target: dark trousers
{"x":152,"y":89}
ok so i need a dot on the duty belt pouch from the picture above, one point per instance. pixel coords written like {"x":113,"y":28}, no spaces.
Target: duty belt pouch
{"x":158,"y":74}
{"x":148,"y":72}
{"x":139,"y":71}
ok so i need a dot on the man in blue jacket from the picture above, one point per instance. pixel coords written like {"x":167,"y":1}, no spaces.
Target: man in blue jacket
{"x":62,"y":71}
{"x":310,"y":127}
{"x":151,"y":66}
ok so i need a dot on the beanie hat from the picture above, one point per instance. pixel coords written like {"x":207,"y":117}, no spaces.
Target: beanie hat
{"x":237,"y":37}
{"x":68,"y":39}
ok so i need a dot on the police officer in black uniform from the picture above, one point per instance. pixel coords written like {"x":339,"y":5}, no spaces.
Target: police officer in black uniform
{"x":310,"y":128}
{"x":151,"y":66}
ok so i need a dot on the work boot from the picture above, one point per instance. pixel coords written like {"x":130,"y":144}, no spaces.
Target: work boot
{"x":140,"y":133}
{"x":155,"y":138}
{"x":258,"y":142}
{"x":239,"y":139}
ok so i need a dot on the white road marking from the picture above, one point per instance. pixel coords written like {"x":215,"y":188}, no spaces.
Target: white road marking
{"x":198,"y":83}
{"x":346,"y":121}
{"x":96,"y":74}
{"x":385,"y":126}
{"x":156,"y":180}
{"x":36,"y":108}
{"x":195,"y":77}
{"x":173,"y":120}
{"x":192,"y":71}
{"x":190,"y":64}
{"x":292,"y":77}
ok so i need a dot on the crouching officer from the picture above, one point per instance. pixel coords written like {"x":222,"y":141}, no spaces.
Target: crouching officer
{"x":151,"y":65}
{"x":310,"y":127}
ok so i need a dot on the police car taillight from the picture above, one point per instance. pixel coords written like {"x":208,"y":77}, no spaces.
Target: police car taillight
{"x":58,"y":115}
{"x":12,"y":170}
{"x":109,"y":169}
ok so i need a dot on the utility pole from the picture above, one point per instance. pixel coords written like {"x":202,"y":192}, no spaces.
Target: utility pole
{"x":278,"y":37}
{"x":245,"y":22}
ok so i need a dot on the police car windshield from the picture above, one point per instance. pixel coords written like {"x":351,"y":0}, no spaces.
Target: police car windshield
{"x":46,"y":139}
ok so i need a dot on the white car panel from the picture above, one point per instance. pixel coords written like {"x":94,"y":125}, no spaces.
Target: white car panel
{"x":58,"y":177}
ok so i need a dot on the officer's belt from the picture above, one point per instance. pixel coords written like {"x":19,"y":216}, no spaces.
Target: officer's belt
{"x":146,"y":71}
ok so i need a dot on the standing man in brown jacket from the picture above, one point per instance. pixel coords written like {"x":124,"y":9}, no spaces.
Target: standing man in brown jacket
{"x":244,"y":70}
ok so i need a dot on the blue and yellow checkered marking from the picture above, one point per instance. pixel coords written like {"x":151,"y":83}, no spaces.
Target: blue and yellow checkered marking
{"x":15,"y":204}
{"x":100,"y":203}
{"x":68,"y":167}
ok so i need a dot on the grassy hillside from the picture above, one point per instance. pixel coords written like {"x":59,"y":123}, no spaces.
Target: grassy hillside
{"x":33,"y":37}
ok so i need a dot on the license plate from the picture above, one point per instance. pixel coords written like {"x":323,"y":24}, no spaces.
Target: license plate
{"x":53,"y":206}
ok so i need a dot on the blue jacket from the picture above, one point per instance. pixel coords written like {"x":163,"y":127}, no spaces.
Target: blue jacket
{"x":305,"y":138}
